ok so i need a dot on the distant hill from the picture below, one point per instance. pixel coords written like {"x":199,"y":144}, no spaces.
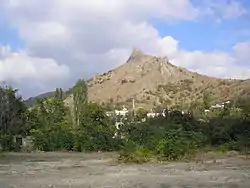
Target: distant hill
{"x":32,"y":100}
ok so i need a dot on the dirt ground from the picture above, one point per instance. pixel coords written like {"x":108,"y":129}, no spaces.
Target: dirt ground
{"x":99,"y":170}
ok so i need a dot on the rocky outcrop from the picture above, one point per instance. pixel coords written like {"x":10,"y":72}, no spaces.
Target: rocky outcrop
{"x":153,"y":81}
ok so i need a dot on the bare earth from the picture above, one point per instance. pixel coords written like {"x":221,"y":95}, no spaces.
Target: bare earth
{"x":77,"y":170}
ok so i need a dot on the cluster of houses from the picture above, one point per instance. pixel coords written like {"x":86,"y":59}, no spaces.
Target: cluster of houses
{"x":124,"y":111}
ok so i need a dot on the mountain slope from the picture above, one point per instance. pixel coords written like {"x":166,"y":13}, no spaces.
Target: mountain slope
{"x":32,"y":100}
{"x":153,"y":81}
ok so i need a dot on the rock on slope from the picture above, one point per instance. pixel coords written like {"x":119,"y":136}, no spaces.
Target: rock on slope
{"x":153,"y":81}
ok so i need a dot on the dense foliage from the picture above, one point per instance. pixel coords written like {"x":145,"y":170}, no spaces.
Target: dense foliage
{"x":12,"y":116}
{"x":84,"y":126}
{"x":178,"y":135}
{"x":53,"y":127}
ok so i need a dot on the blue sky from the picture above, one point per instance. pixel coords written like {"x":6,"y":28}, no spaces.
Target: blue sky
{"x":207,"y":34}
{"x":203,"y":35}
{"x":9,"y":36}
{"x":50,"y":44}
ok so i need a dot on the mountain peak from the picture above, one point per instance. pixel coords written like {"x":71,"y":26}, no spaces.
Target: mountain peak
{"x":153,"y":81}
{"x":137,"y":51}
{"x":136,"y":54}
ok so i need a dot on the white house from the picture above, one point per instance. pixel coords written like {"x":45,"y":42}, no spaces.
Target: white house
{"x":217,"y":106}
{"x":109,"y":113}
{"x":122,"y":112}
{"x":152,"y":115}
{"x":220,"y":106}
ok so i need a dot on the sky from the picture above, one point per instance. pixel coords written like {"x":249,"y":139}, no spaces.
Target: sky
{"x":46,"y":44}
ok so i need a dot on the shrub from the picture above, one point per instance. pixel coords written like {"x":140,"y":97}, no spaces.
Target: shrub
{"x":178,"y":144}
{"x":6,"y":142}
{"x":230,"y":146}
{"x":54,"y":138}
{"x":132,"y":153}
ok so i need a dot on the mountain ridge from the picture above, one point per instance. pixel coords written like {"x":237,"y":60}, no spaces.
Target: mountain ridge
{"x":152,"y":81}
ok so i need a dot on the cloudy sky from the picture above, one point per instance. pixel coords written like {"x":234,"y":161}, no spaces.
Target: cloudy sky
{"x":50,"y":43}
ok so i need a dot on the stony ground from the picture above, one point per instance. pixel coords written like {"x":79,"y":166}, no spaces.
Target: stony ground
{"x":76,"y":170}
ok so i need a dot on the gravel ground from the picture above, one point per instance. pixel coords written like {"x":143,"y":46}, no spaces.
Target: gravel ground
{"x":77,"y":170}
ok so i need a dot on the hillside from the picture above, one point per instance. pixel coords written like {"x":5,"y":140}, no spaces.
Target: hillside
{"x":153,"y":81}
{"x":32,"y":100}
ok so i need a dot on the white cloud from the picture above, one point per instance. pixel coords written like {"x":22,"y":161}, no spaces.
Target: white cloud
{"x":230,"y":10}
{"x":223,"y":9}
{"x":217,"y":63}
{"x":30,"y":72}
{"x":86,"y":37}
{"x":242,"y":52}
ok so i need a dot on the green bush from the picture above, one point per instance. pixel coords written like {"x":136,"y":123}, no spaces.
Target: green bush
{"x":53,"y":138}
{"x":230,"y":146}
{"x":178,"y":144}
{"x":6,"y":141}
{"x":132,"y":153}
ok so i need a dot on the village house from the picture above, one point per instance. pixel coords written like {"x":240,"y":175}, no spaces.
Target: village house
{"x":220,"y":106}
{"x":122,"y":112}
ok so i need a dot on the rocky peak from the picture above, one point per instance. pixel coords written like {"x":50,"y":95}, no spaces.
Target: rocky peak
{"x":153,"y":81}
{"x":136,"y":52}
{"x":135,"y":55}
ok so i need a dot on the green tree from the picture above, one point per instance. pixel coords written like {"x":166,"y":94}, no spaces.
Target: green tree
{"x":12,"y":116}
{"x":59,"y":94}
{"x":244,"y":104}
{"x":49,"y":124}
{"x":226,"y":111}
{"x":178,"y":143}
{"x":12,"y":111}
{"x":96,"y":133}
{"x":80,"y":97}
{"x":141,"y":113}
{"x":206,"y":100}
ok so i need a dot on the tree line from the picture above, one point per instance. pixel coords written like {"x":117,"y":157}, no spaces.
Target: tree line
{"x":85,"y":127}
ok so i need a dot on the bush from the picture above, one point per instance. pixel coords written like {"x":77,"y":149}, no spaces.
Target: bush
{"x":54,"y":138}
{"x":132,"y":153}
{"x":178,"y":144}
{"x":230,"y":146}
{"x":6,"y":142}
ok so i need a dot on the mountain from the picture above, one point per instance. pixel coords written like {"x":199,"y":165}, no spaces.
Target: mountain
{"x":153,"y":81}
{"x":32,"y":100}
